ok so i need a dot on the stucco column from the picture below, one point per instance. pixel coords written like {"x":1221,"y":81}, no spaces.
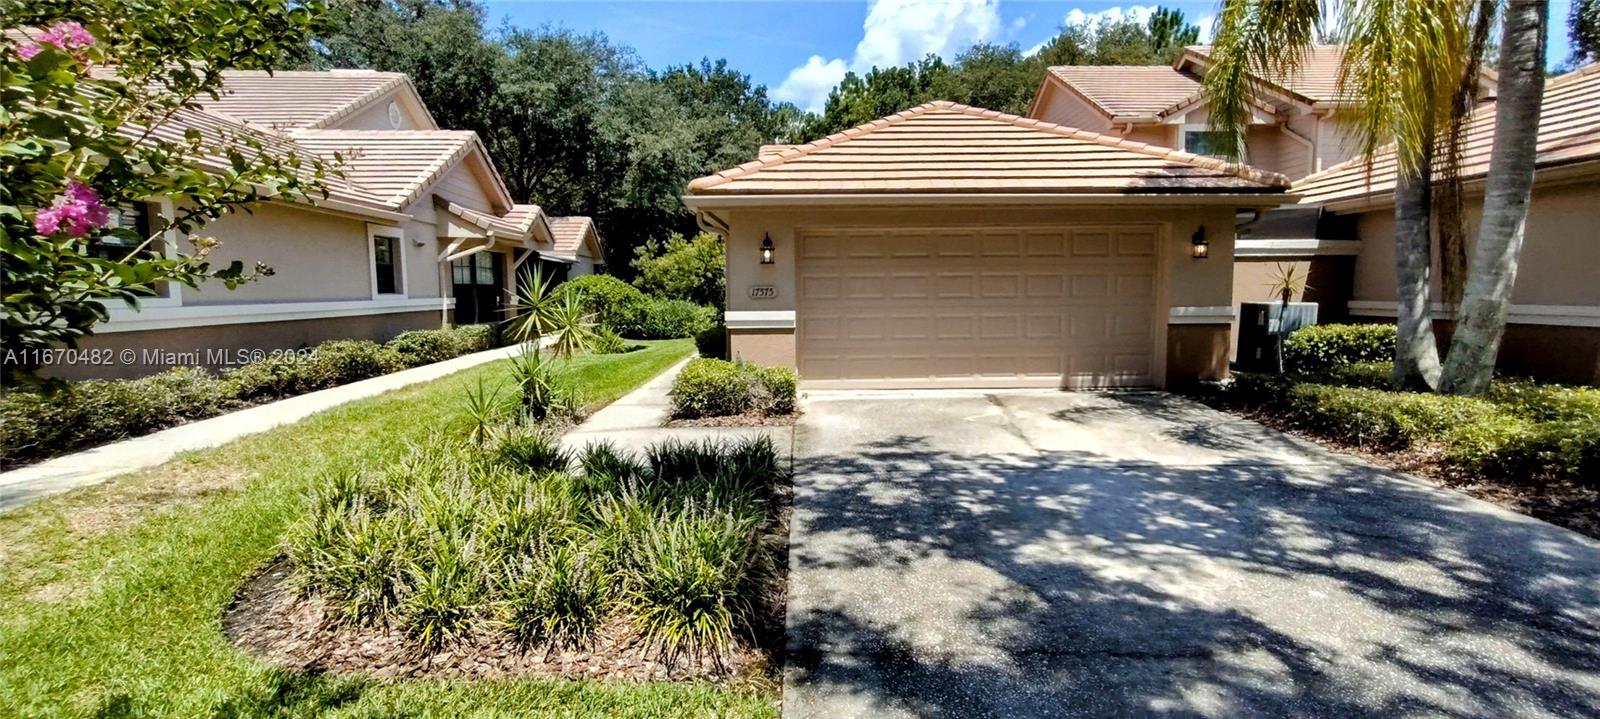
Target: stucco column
{"x":761,"y":297}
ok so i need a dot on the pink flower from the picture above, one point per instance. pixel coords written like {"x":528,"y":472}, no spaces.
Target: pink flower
{"x":68,"y":36}
{"x":26,"y":52}
{"x":77,"y":211}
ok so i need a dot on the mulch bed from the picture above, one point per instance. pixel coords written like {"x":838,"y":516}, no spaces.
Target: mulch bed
{"x":270,"y":621}
{"x":748,"y":419}
{"x":1560,"y":502}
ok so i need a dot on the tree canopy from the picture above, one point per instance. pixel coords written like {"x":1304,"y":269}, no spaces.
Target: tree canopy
{"x":578,"y":125}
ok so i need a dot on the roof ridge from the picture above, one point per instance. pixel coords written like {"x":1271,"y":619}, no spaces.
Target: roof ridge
{"x":360,"y":101}
{"x":802,"y":150}
{"x":1210,"y":163}
{"x":1574,"y":75}
{"x":335,"y":132}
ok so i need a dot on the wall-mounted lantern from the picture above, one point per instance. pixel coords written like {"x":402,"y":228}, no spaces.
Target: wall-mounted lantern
{"x":1199,"y":248}
{"x":766,"y":249}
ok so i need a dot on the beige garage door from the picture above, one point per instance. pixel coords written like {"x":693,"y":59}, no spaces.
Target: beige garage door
{"x":953,"y":307}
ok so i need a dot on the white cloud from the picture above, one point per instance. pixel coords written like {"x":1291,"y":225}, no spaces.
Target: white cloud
{"x":1136,"y":13}
{"x":808,"y":85}
{"x":1205,"y":24}
{"x":896,"y":32}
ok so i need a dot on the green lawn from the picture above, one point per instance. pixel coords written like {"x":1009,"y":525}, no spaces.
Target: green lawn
{"x":111,"y":596}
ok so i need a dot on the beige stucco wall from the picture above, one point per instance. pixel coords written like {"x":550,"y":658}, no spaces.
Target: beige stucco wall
{"x":375,"y":116}
{"x":1065,"y":107}
{"x":314,"y":256}
{"x":1560,"y":252}
{"x":1184,"y":281}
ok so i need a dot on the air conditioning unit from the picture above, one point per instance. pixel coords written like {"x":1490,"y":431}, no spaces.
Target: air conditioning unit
{"x":1262,"y":325}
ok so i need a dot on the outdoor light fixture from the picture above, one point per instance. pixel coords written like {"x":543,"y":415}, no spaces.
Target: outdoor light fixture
{"x":766,"y":249}
{"x":1199,"y":248}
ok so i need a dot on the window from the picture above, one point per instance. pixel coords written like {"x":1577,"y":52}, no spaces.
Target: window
{"x":475,"y":269}
{"x":386,"y":264}
{"x":134,"y":220}
{"x":1205,"y":142}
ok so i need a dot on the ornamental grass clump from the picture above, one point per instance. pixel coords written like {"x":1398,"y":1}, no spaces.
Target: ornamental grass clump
{"x":519,"y":540}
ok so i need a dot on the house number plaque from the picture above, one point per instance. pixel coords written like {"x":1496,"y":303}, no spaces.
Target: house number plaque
{"x":763,"y":292}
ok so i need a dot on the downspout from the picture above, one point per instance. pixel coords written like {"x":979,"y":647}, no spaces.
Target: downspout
{"x":1302,"y":139}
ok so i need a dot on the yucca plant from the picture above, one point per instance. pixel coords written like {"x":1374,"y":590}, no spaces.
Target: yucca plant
{"x":531,"y":307}
{"x":571,"y":330}
{"x":485,"y":408}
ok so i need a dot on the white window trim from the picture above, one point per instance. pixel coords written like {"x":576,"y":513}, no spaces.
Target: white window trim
{"x":399,"y":237}
{"x":164,"y":318}
{"x":169,"y":247}
{"x":1296,"y":248}
{"x":1195,"y":315}
{"x":759,"y":319}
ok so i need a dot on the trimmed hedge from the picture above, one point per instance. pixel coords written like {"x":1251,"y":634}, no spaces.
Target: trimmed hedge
{"x":718,"y":388}
{"x":1322,"y":346}
{"x":614,"y":303}
{"x":1519,"y":430}
{"x":37,"y":424}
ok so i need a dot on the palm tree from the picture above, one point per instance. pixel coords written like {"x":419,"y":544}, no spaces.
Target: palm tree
{"x":1481,"y":319}
{"x":1405,"y":65}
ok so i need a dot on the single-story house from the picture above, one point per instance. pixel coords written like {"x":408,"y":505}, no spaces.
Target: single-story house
{"x":578,"y":245}
{"x":420,"y":232}
{"x":948,"y":245}
{"x":1553,"y":329}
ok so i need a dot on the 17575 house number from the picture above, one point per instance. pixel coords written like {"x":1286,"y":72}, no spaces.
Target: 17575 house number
{"x":763,"y":292}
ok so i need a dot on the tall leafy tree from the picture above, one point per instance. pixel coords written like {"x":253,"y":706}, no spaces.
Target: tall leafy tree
{"x":84,"y":86}
{"x":1583,"y":27}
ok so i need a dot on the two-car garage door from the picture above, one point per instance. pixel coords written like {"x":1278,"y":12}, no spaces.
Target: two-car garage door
{"x":987,"y":307}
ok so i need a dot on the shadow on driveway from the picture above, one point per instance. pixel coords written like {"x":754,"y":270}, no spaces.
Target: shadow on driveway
{"x":1053,"y":554}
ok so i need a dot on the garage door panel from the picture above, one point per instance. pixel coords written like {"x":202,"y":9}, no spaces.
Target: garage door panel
{"x":952,"y":306}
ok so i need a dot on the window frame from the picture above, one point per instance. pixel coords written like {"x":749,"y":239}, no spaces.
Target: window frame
{"x":403,"y":282}
{"x":1187,"y":129}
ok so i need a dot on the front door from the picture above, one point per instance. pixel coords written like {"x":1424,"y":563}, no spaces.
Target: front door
{"x":477,"y":286}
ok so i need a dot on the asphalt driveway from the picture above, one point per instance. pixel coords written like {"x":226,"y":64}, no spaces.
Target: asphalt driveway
{"x":1045,"y":554}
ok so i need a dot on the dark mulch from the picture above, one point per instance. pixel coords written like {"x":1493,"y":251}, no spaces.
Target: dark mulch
{"x":1560,"y":502}
{"x":748,"y":419}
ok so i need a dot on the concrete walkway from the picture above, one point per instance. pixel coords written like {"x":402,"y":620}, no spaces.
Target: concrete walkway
{"x":1049,"y":554}
{"x":93,"y":466}
{"x":635,"y":421}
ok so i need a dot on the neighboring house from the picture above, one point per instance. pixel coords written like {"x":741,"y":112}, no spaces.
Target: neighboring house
{"x":578,"y":246}
{"x":420,"y":231}
{"x":1554,"y":318}
{"x":953,"y":246}
{"x":1293,"y":128}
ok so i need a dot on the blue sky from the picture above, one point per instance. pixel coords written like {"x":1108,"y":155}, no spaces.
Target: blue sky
{"x":800,"y":49}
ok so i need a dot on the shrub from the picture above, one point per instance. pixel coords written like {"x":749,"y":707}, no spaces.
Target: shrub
{"x":268,"y":378}
{"x":545,"y":392}
{"x":607,"y":342}
{"x":614,"y":303}
{"x":475,"y":338}
{"x":670,"y":319}
{"x":35,"y":424}
{"x":1374,"y":375}
{"x":775,"y":390}
{"x":602,"y":458}
{"x":1547,"y":402}
{"x":342,"y":362}
{"x":1320,"y":346}
{"x":1515,"y":448}
{"x":685,"y":269}
{"x":719,"y":388}
{"x":712,"y":342}
{"x":1389,"y":419}
{"x":419,"y":347}
{"x":712,"y":388}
